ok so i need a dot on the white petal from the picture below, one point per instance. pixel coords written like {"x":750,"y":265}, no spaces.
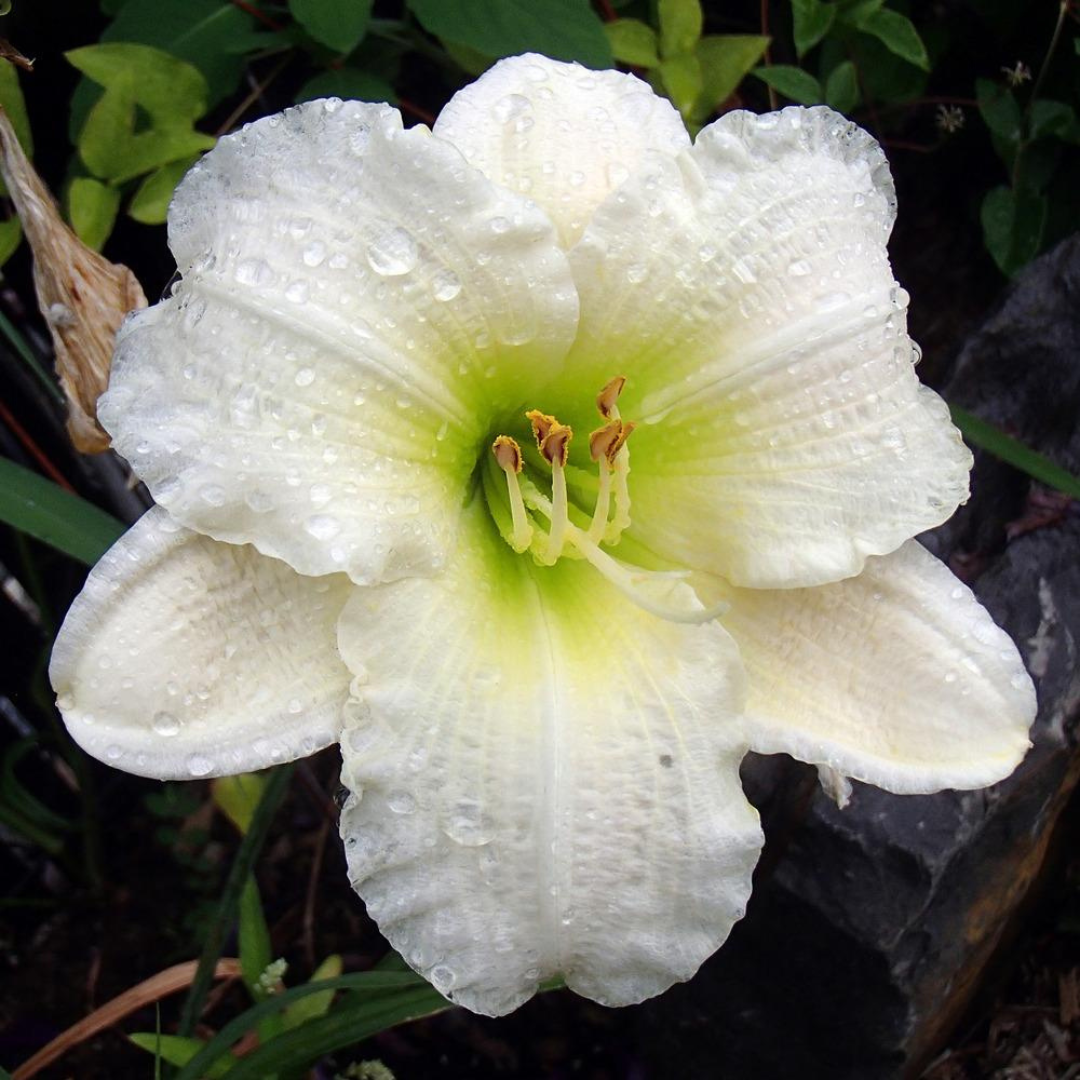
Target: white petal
{"x":897,"y":677}
{"x":187,"y":657}
{"x":559,"y":133}
{"x":746,"y":291}
{"x":546,"y":781}
{"x":357,"y":304}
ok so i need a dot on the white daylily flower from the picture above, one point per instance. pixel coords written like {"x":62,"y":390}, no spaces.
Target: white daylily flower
{"x":541,"y":717}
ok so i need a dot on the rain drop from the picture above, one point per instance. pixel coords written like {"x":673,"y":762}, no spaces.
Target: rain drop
{"x":393,"y":253}
{"x":401,"y":802}
{"x":198,"y":765}
{"x":511,"y":107}
{"x":314,"y":253}
{"x":165,"y":724}
{"x":322,"y":526}
{"x":447,"y":285}
{"x":254,"y":272}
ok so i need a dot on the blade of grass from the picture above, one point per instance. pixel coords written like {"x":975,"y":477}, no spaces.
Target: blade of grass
{"x":229,"y":904}
{"x":67,"y":522}
{"x":371,"y":986}
{"x":19,"y":344}
{"x":992,"y":439}
{"x":349,"y":1024}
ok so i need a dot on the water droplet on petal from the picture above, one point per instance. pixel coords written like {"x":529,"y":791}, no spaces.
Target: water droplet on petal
{"x":314,"y":253}
{"x":322,"y":526}
{"x":393,"y":252}
{"x":199,"y":765}
{"x":401,"y":802}
{"x":511,"y":107}
{"x":446,"y":285}
{"x":165,"y":724}
{"x":253,"y":272}
{"x":468,"y":825}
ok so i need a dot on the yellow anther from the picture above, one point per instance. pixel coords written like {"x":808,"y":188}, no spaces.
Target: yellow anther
{"x":507,"y":454}
{"x":555,"y":445}
{"x":608,"y":397}
{"x":541,"y":425}
{"x":607,"y":441}
{"x":602,"y":439}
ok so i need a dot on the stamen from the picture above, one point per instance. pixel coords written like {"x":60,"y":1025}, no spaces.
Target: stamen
{"x":600,"y":443}
{"x":607,"y":398}
{"x":555,"y":446}
{"x":542,"y":423}
{"x":508,"y":455}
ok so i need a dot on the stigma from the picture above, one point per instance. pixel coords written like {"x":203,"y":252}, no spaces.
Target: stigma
{"x":541,"y":524}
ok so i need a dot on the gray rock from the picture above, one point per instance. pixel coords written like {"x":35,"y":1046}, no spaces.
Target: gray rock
{"x":871,"y":927}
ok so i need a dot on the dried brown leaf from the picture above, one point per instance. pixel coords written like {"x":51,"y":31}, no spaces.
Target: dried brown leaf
{"x":82,"y":295}
{"x":153,"y":989}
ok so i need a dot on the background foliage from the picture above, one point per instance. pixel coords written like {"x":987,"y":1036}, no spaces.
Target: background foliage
{"x":976,"y":102}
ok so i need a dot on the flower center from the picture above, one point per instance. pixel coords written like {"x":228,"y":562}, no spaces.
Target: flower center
{"x":544,"y":525}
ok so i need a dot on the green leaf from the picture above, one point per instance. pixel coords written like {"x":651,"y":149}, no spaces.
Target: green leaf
{"x":105,"y":136}
{"x":92,"y":208}
{"x":108,"y":143}
{"x":254,"y":936}
{"x":202,"y":32}
{"x":44,"y":510}
{"x":794,"y":83}
{"x":348,"y":83}
{"x":150,"y":203}
{"x":112,"y":151}
{"x":299,"y":1012}
{"x":172,"y":91}
{"x":177,"y":1050}
{"x":237,"y":797}
{"x":982,"y":434}
{"x":14,"y":104}
{"x":11,"y":98}
{"x":812,"y":20}
{"x":680,"y":26}
{"x":369,"y":988}
{"x":681,"y":76}
{"x":883,"y":76}
{"x":898,"y":34}
{"x":1013,"y":223}
{"x":561,"y":29}
{"x":851,"y":11}
{"x":347,"y":1024}
{"x":633,"y":42}
{"x":338,"y":24}
{"x":10,"y":238}
{"x":725,"y":61}
{"x":1054,"y":119}
{"x":842,"y":87}
{"x":999,"y":110}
